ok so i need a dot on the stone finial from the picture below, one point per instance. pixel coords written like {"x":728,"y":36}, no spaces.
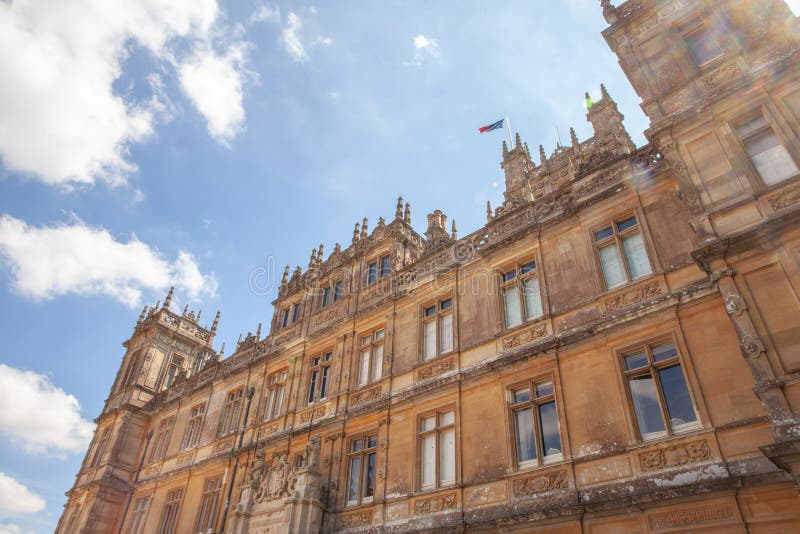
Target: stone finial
{"x":453,"y":230}
{"x":609,"y":11}
{"x":488,"y":211}
{"x":215,"y":324}
{"x":527,"y":152}
{"x":156,"y":307}
{"x":168,"y":300}
{"x":320,"y":258}
{"x":604,"y":93}
{"x":313,"y":260}
{"x":298,"y":272}
{"x":199,"y":313}
{"x":337,"y":248}
{"x":258,"y":332}
{"x":185,"y":310}
{"x":542,"y":156}
{"x":517,"y":140}
{"x":381,"y":222}
{"x":407,"y":214}
{"x":285,"y":277}
{"x":575,"y":143}
{"x":398,"y":211}
{"x":356,"y":233}
{"x":221,"y":352}
{"x":505,"y":149}
{"x":364,"y":228}
{"x":142,"y":315}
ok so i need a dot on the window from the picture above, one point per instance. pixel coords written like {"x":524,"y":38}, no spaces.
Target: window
{"x":378,"y":269}
{"x":173,"y":371}
{"x":285,"y":318}
{"x":769,"y":156}
{"x":290,"y":315}
{"x":702,"y":45}
{"x":370,"y":357}
{"x":209,"y":507}
{"x":229,"y":422}
{"x":295,"y":312}
{"x":437,"y":446}
{"x":658,"y":391}
{"x":521,"y":294}
{"x":158,"y":448}
{"x":319,"y":377}
{"x":326,"y":296}
{"x":437,"y":329}
{"x":337,"y":290}
{"x":361,"y":469}
{"x":100,"y":449}
{"x":172,"y":508}
{"x":139,"y":515}
{"x":199,"y":361}
{"x":533,"y":411}
{"x":191,"y":437}
{"x":623,"y":256}
{"x":276,"y":386}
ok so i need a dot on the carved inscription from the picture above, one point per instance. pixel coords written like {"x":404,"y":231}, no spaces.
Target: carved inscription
{"x":526,"y":336}
{"x":675,"y":455}
{"x":357,"y":519}
{"x":531,"y":485}
{"x":365,"y":396}
{"x":436,"y":369}
{"x":692,"y":516}
{"x":435,"y":504}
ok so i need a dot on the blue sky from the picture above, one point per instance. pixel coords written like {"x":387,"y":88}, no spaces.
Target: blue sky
{"x":199,"y":144}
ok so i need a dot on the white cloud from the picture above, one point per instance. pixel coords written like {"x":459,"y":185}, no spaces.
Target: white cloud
{"x":266,"y":13}
{"x":40,"y":417}
{"x":60,"y":120}
{"x":322,"y":40}
{"x":291,"y":39}
{"x":16,"y":498}
{"x":794,"y":5}
{"x":10,"y":528}
{"x":76,"y":258}
{"x":214,"y":83}
{"x":424,"y":47}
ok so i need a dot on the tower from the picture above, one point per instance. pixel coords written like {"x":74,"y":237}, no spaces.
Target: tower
{"x":163,"y":350}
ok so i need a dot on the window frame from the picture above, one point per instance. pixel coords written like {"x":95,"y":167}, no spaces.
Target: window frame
{"x":616,"y":238}
{"x":194,"y":426}
{"x":231,"y":412}
{"x":519,"y":279}
{"x":652,"y":369}
{"x":172,"y":511}
{"x":275,"y":381}
{"x":436,"y":318}
{"x":437,"y":431}
{"x":373,"y":344}
{"x":101,"y":446}
{"x":378,"y":268}
{"x":319,"y":377}
{"x":212,"y":495}
{"x":533,"y":403}
{"x":173,"y":370}
{"x":769,"y":126}
{"x":161,"y":439}
{"x":363,"y":454}
{"x":139,"y":514}
{"x":695,"y":27}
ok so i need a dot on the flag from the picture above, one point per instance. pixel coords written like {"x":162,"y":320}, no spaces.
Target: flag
{"x":489,"y":128}
{"x":589,"y":102}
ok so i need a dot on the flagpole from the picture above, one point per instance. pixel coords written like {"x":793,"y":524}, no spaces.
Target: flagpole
{"x":508,"y":130}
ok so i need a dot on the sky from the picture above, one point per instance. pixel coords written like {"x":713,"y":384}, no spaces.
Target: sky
{"x":205,"y":144}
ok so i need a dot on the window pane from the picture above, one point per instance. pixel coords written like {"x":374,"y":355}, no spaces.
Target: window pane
{"x":664,"y":352}
{"x":445,"y":304}
{"x":676,"y":395}
{"x":544,"y":389}
{"x":604,"y":233}
{"x":446,"y":418}
{"x":384,"y":265}
{"x":429,"y":349}
{"x":533,"y":301}
{"x":635,"y":361}
{"x":369,"y":476}
{"x":278,"y":400}
{"x":323,"y":386}
{"x":447,"y":456}
{"x":378,"y":334}
{"x":337,"y":291}
{"x":528,"y":267}
{"x":356,"y":445}
{"x":446,"y":333}
{"x":512,"y":306}
{"x":645,"y":403}
{"x":522,"y":395}
{"x":377,"y":362}
{"x":751,"y":125}
{"x":770,"y":158}
{"x":372,"y":273}
{"x":612,"y":265}
{"x":428,"y":460}
{"x":430,"y":310}
{"x":702,"y":46}
{"x":624,"y":224}
{"x":312,"y":386}
{"x":352,"y":480}
{"x":428,"y":423}
{"x":523,"y":425}
{"x":636,"y":255}
{"x":363,"y":368}
{"x":510,"y":275}
{"x":326,"y":296}
{"x":372,"y":441}
{"x":548,"y":421}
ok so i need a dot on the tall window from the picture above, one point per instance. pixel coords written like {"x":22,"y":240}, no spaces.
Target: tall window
{"x":191,"y":437}
{"x":701,"y":43}
{"x":361,"y":469}
{"x":172,"y":508}
{"x":158,"y":449}
{"x":100,"y":449}
{"x":521,"y":294}
{"x":769,"y":156}
{"x":657,"y":387}
{"x":285,"y":317}
{"x":174,"y":369}
{"x":533,"y":410}
{"x":327,"y":296}
{"x":370,"y":358}
{"x":290,"y":315}
{"x":229,"y":422}
{"x":437,"y":329}
{"x":337,"y":290}
{"x":276,"y":386}
{"x":139,"y":515}
{"x":319,"y":377}
{"x":378,"y":269}
{"x":199,"y":361}
{"x":295,"y":312}
{"x":209,"y":507}
{"x":623,"y":256}
{"x":437,"y":446}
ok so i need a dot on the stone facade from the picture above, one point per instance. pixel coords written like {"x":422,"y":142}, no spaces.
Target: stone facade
{"x":616,"y":350}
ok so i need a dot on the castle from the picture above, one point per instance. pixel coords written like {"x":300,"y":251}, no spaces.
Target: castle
{"x":616,"y":350}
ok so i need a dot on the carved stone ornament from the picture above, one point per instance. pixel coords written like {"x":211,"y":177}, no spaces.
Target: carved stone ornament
{"x":357,"y":519}
{"x":734,"y":305}
{"x":436,"y":369}
{"x":633,"y":296}
{"x":365,"y":396}
{"x":689,"y":517}
{"x":273,"y":482}
{"x":531,"y":485}
{"x":435,"y":504}
{"x":785,"y":198}
{"x":525,"y":336}
{"x":675,"y":455}
{"x":752,"y":346}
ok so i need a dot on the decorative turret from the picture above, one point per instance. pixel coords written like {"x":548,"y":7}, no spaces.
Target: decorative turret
{"x":576,"y":145}
{"x":488,"y":211}
{"x":407,"y":214}
{"x":356,"y":233}
{"x":437,"y":234}
{"x":313,"y":260}
{"x":320,"y":257}
{"x":215,"y":324}
{"x":364,"y":232}
{"x":606,"y":121}
{"x":142,"y":315}
{"x":398,"y":212}
{"x":516,"y":164}
{"x":168,"y":300}
{"x":453,"y":231}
